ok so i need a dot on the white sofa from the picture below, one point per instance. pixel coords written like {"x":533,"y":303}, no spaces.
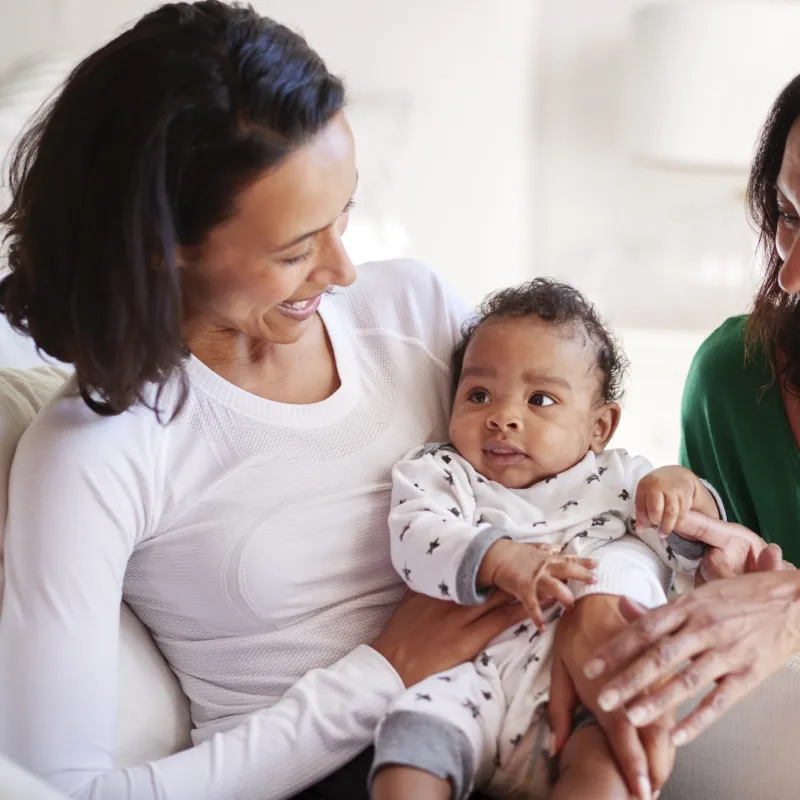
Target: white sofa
{"x":750,"y":755}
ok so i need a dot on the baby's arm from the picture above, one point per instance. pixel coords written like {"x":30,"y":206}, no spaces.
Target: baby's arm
{"x":436,"y":547}
{"x":663,"y":498}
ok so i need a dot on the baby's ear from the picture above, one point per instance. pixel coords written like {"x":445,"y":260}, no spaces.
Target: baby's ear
{"x":606,"y":421}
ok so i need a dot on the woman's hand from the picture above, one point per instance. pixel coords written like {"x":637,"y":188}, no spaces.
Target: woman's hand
{"x":645,"y":756}
{"x":425,"y":635}
{"x":733,"y":549}
{"x":732,"y":632}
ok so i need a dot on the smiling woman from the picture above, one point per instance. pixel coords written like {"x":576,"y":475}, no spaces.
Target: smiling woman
{"x":221,"y":459}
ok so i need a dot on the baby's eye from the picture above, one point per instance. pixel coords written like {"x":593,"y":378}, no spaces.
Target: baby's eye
{"x":478,"y":396}
{"x":540,"y":399}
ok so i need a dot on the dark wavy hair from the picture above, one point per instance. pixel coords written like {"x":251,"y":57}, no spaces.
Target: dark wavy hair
{"x":144,"y":149}
{"x":559,"y":304}
{"x":774,"y":322}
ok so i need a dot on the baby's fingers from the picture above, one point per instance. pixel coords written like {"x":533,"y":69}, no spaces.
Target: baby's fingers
{"x":549,"y":586}
{"x":655,"y":507}
{"x":574,"y":569}
{"x":534,"y":610}
{"x":672,"y":510}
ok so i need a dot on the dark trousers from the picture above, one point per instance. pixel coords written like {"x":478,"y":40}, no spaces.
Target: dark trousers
{"x":347,"y":783}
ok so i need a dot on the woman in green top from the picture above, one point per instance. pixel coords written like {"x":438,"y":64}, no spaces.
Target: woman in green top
{"x":741,"y":432}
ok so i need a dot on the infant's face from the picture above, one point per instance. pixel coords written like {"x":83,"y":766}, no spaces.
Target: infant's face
{"x":528,"y":400}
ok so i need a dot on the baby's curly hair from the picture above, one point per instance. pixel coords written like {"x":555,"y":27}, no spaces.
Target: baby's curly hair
{"x":560,"y":304}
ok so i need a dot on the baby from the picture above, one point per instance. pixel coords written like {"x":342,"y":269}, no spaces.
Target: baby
{"x":526,"y":498}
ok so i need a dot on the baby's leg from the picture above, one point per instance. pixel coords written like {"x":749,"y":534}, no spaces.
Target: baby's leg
{"x":439,"y":738}
{"x":587,"y":770}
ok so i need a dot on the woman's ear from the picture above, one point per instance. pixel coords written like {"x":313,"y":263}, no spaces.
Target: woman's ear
{"x":605,"y":424}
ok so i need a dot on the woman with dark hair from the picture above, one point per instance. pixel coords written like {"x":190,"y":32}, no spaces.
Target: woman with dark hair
{"x":741,"y":431}
{"x":221,"y":458}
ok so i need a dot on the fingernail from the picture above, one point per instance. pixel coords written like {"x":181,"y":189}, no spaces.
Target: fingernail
{"x":645,"y":792}
{"x":551,"y":745}
{"x":637,"y":715}
{"x":594,"y":668}
{"x":679,"y":738}
{"x":608,"y":700}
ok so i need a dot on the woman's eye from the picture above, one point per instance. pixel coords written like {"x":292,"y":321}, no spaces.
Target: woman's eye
{"x":298,"y":259}
{"x":478,"y":396}
{"x":787,"y":215}
{"x":540,"y":399}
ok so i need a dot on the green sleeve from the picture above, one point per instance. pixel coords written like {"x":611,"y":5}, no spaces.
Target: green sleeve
{"x":711,"y":440}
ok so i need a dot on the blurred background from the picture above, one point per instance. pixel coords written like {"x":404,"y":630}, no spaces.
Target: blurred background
{"x":604,"y":142}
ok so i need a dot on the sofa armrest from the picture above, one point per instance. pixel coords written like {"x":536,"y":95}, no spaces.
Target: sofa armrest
{"x":752,"y":752}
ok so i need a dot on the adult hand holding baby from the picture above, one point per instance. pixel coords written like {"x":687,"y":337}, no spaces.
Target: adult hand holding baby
{"x":645,"y":756}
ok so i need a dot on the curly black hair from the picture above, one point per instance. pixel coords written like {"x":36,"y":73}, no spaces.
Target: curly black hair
{"x":561,"y":304}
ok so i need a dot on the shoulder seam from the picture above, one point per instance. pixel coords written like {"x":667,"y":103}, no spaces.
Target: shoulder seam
{"x":412,"y":340}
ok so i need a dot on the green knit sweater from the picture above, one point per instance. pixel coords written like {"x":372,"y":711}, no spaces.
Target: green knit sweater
{"x":736,"y":436}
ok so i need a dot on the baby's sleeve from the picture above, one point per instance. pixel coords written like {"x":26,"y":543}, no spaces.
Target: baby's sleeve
{"x":679,"y":554}
{"x":436,"y":546}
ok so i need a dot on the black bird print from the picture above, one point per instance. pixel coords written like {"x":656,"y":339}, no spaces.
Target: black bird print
{"x":522,"y":629}
{"x":535,"y":524}
{"x":432,"y":546}
{"x":670,"y":553}
{"x":487,"y":695}
{"x":516,"y":740}
{"x":446,"y":459}
{"x":530,"y":660}
{"x":593,"y":477}
{"x":448,"y":476}
{"x":476,"y":712}
{"x":480,"y":480}
{"x":551,"y":478}
{"x":406,"y":573}
{"x":568,"y":504}
{"x":602,"y":471}
{"x":445,"y":678}
{"x":417,"y":486}
{"x":400,"y":502}
{"x":625,"y":495}
{"x":455,"y":512}
{"x":404,"y":531}
{"x":485,"y":659}
{"x":425,"y":697}
{"x":481,"y":520}
{"x":536,"y":634}
{"x":582,"y":535}
{"x":444,"y":589}
{"x":598,"y":522}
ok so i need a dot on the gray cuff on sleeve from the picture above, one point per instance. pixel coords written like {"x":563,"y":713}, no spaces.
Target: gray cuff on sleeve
{"x":427,"y":743}
{"x":688,"y":548}
{"x":467,"y":575}
{"x":717,"y":499}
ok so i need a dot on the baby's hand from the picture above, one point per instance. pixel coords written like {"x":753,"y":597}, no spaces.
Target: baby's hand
{"x":664,"y":497}
{"x":533,"y":573}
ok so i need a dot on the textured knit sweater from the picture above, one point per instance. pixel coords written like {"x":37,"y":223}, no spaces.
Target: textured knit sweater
{"x":249,"y":536}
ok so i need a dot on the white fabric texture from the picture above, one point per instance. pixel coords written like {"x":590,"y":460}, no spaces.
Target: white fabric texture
{"x":249,"y":536}
{"x":153,"y":715}
{"x":440,"y":507}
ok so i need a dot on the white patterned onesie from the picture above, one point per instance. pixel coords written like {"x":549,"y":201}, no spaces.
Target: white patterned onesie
{"x":477,"y":724}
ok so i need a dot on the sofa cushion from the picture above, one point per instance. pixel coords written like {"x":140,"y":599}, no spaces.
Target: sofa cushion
{"x":153,"y":716}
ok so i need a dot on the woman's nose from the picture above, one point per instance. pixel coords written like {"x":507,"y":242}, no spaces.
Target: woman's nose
{"x":789,"y":273}
{"x":336,"y":267}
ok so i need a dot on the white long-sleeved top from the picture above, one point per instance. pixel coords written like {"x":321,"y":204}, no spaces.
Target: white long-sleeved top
{"x":249,"y":536}
{"x":445,"y":516}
